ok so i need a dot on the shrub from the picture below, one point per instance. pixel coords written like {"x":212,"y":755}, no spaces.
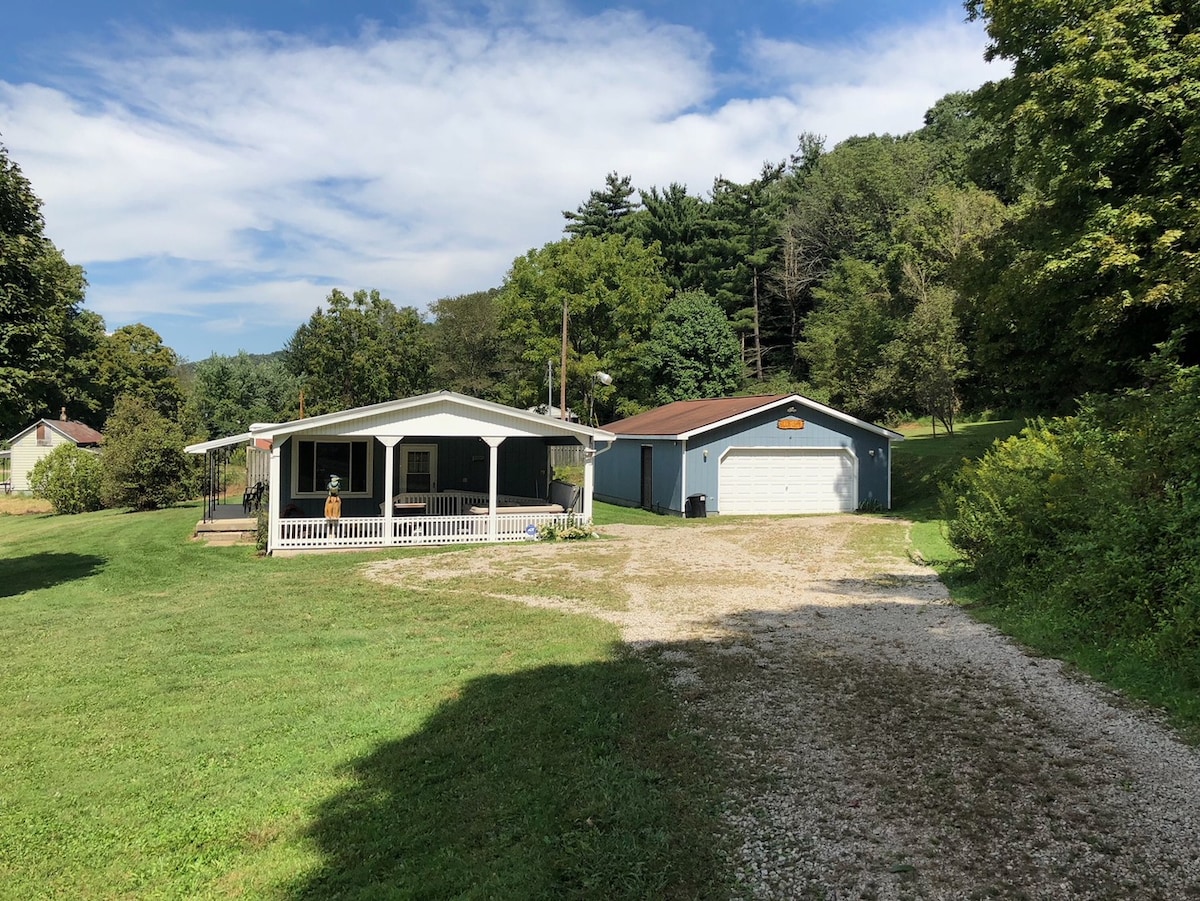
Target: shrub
{"x":999,"y":508}
{"x":572,"y":530}
{"x":262,"y":528}
{"x":144,"y":464}
{"x":69,"y":478}
{"x":1096,"y":517}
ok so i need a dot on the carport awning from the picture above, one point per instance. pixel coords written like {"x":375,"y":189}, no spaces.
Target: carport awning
{"x":205,"y":446}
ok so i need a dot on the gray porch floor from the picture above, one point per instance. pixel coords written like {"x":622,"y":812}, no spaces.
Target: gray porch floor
{"x":230,"y":525}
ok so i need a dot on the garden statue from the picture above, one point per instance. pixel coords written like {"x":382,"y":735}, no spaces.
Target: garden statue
{"x":333,"y":503}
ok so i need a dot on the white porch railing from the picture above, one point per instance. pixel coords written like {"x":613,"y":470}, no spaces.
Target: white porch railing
{"x":369,"y":531}
{"x":456,"y":503}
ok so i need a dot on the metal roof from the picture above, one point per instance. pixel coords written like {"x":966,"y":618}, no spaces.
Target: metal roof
{"x":685,"y":418}
{"x":545,"y":425}
{"x":68,"y":428}
{"x":689,"y":415}
{"x":206,"y":446}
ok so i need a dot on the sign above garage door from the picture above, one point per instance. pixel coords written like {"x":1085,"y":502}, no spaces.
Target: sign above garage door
{"x":788,"y":480}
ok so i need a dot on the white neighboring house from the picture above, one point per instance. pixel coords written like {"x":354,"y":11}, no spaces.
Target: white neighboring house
{"x":39,"y":439}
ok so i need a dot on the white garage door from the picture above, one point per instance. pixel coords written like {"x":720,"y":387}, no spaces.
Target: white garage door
{"x":787,"y":480}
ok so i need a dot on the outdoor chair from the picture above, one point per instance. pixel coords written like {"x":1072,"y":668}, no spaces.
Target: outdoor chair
{"x":252,"y":499}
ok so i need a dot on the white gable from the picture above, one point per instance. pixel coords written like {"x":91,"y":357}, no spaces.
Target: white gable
{"x":444,"y":414}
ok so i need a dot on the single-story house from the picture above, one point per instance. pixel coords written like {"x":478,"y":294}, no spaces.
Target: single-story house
{"x":439,"y":468}
{"x":36,"y":441}
{"x":781,"y":453}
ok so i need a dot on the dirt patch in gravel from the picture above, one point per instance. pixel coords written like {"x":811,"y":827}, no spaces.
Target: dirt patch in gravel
{"x":873,"y":740}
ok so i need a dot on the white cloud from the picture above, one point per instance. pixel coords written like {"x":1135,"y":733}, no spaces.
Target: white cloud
{"x":882,"y":83}
{"x":256,"y":170}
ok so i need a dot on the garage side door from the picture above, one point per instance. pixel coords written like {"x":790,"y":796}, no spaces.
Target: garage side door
{"x":787,"y":480}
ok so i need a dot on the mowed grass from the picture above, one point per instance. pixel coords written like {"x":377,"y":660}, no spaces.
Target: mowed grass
{"x":187,"y":721}
{"x":921,"y":465}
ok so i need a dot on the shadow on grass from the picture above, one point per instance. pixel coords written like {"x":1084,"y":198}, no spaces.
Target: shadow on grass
{"x":549,"y":783}
{"x":37,"y":571}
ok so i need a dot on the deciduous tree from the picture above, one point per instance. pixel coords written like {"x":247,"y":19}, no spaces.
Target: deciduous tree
{"x":359,"y":350}
{"x":42,"y":326}
{"x":471,"y":354}
{"x":692,"y":351}
{"x":144,"y":465}
{"x":845,"y":337}
{"x":134,"y":361}
{"x":69,"y":478}
{"x":229,"y":393}
{"x":612,"y":289}
{"x":1101,"y":118}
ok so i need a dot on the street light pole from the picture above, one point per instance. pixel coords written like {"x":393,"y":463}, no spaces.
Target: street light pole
{"x":604,"y":379}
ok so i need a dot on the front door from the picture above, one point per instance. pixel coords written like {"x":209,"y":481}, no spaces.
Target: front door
{"x":418,"y":468}
{"x":647,"y":476}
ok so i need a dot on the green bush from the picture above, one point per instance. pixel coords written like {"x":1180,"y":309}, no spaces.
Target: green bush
{"x":144,"y":464}
{"x":69,"y":478}
{"x":262,"y":528}
{"x":1095,"y":518}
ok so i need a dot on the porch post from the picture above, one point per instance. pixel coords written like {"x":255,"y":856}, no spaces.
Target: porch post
{"x":274,"y":498}
{"x":493,"y":471}
{"x":589,"y":478}
{"x":389,"y":480}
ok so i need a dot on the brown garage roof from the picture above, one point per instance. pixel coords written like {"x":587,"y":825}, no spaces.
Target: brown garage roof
{"x":688,"y":415}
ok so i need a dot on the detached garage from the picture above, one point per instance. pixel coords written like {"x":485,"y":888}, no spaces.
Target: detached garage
{"x":747,"y":455}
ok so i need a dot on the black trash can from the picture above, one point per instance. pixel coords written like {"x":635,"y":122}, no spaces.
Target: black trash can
{"x":696,"y":506}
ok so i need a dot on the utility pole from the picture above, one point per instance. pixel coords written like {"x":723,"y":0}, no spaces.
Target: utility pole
{"x":562,"y":392}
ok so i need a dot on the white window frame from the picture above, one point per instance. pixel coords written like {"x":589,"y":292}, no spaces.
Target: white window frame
{"x":332,"y":439}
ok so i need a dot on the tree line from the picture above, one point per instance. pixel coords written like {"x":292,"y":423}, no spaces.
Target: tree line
{"x":1034,"y":241}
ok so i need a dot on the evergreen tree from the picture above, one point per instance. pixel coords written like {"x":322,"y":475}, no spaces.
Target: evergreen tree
{"x":675,"y":220}
{"x":606,"y":211}
{"x":738,"y":247}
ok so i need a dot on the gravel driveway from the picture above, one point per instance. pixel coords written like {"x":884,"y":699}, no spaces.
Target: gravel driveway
{"x":874,"y":741}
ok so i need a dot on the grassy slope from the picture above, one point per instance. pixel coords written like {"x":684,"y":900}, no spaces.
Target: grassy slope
{"x":920,"y":464}
{"x":190,"y":721}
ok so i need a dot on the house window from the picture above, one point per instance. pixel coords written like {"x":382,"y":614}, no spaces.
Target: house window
{"x":349,"y":459}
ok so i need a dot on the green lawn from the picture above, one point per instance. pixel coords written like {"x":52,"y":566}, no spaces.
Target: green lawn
{"x":186,"y":721}
{"x":921,"y":464}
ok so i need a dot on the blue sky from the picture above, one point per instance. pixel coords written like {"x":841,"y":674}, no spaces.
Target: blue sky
{"x":219,"y":167}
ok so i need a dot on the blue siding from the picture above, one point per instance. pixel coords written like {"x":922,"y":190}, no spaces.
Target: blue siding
{"x":668,"y":475}
{"x":619,"y":474}
{"x":315,"y":506}
{"x":523,"y":467}
{"x":618,"y":471}
{"x":462,"y":464}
